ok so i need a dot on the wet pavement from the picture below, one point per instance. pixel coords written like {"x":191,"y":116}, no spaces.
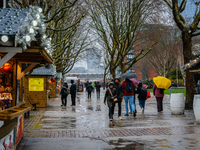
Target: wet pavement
{"x":87,"y":124}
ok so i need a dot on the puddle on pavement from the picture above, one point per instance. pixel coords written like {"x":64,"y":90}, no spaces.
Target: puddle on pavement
{"x":121,"y":144}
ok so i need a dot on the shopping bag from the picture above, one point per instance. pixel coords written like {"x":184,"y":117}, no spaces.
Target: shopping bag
{"x":148,"y":95}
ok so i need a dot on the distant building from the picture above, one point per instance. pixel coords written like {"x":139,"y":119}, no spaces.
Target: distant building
{"x":78,"y":70}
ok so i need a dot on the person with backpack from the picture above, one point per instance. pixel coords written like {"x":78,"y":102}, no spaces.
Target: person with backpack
{"x":89,"y":90}
{"x":64,"y":93}
{"x":119,"y":89}
{"x":129,"y":90}
{"x":142,"y":94}
{"x":98,"y":87}
{"x":73,"y":92}
{"x":159,"y":94}
{"x":110,"y":96}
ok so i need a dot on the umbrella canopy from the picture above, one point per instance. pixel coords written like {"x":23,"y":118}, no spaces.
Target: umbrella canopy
{"x":135,"y":81}
{"x":129,"y":75}
{"x":162,"y":82}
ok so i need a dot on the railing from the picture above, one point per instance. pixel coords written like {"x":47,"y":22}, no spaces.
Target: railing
{"x":176,"y":88}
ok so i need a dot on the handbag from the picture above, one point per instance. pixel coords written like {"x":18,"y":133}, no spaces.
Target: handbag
{"x":148,"y":95}
{"x":115,"y":99}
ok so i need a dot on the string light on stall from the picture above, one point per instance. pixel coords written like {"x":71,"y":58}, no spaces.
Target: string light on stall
{"x":4,"y":38}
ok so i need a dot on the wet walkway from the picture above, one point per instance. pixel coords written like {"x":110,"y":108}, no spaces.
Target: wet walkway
{"x":88,"y":121}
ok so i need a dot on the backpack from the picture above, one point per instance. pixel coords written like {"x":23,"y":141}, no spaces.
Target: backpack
{"x":143,"y":92}
{"x":67,"y":91}
{"x":90,"y":88}
{"x":129,"y":87}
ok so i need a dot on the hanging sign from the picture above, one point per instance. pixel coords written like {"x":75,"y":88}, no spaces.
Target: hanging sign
{"x":36,"y":84}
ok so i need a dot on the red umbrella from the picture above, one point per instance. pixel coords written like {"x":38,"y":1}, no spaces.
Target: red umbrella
{"x":135,"y":81}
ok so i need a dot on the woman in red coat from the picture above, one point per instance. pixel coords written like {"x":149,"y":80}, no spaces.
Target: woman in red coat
{"x":159,"y":94}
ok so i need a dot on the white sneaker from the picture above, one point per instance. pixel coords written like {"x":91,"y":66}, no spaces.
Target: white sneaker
{"x":142,"y":110}
{"x":120,"y":118}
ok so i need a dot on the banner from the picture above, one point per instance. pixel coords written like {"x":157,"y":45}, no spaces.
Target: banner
{"x":36,"y":84}
{"x":6,"y":143}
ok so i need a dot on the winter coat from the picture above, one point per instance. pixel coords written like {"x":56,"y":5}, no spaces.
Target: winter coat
{"x":73,"y":88}
{"x":156,"y":91}
{"x":124,"y":88}
{"x":89,"y":88}
{"x":98,"y":87}
{"x":140,"y":96}
{"x":108,"y":96}
{"x":63,"y":91}
{"x":119,"y":90}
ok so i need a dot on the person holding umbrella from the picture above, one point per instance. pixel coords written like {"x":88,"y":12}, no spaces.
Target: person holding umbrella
{"x":160,"y":84}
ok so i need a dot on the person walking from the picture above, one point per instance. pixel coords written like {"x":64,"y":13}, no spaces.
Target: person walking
{"x":73,"y":93}
{"x":110,"y":95}
{"x":129,"y":90}
{"x":64,"y":94}
{"x":142,"y":94}
{"x":93,"y":86}
{"x":119,"y":90}
{"x":98,"y":87}
{"x":159,"y":94}
{"x":89,"y":90}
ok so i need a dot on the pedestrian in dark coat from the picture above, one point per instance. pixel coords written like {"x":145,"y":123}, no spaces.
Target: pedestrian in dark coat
{"x":119,"y":90}
{"x":110,"y":95}
{"x":159,"y":94}
{"x":98,"y":87}
{"x":142,"y":94}
{"x":64,"y":94}
{"x":73,"y":93}
{"x":89,"y":90}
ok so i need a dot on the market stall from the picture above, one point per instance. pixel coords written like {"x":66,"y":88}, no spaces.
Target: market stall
{"x":23,"y":48}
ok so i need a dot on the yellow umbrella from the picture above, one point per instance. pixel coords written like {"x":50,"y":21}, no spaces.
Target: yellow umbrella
{"x":162,"y":82}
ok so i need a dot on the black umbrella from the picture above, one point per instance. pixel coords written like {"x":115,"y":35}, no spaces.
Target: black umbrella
{"x":129,"y":75}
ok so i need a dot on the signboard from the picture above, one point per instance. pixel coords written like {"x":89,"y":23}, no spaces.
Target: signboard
{"x":20,"y":128}
{"x":6,"y":143}
{"x":36,"y":84}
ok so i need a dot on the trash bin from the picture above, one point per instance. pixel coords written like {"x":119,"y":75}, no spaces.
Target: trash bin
{"x":196,"y":107}
{"x":177,"y":103}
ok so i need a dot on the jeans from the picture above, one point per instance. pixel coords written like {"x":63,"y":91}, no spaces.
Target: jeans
{"x":142,"y":103}
{"x":73,"y":98}
{"x":159,"y":103}
{"x":119,"y":108}
{"x":111,"y":111}
{"x":131,"y":101}
{"x":89,"y":95}
{"x":98,"y":94}
{"x":64,"y":100}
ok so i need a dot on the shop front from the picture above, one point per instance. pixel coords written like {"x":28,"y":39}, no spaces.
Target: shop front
{"x":23,"y":48}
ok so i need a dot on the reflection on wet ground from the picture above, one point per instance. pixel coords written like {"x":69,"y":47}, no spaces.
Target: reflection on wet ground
{"x":94,"y":114}
{"x":89,"y":119}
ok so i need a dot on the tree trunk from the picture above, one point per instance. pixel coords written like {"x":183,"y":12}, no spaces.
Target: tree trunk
{"x":187,"y":53}
{"x":104,"y":79}
{"x":122,"y":67}
{"x":112,"y":71}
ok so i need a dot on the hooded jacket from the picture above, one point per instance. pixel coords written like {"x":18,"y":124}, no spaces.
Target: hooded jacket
{"x":140,"y":96}
{"x":73,"y":87}
{"x":119,"y":90}
{"x":124,"y":84}
{"x":108,"y":96}
{"x":157,"y":92}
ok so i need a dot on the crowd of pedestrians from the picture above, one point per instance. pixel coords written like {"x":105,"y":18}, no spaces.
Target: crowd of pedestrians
{"x":116,"y":92}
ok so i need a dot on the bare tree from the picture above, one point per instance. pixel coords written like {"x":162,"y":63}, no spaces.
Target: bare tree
{"x":188,"y":30}
{"x":117,"y":23}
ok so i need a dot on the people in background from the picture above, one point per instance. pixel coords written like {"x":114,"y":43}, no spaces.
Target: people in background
{"x":159,"y":94}
{"x":64,"y":94}
{"x":98,"y":87}
{"x":73,"y":93}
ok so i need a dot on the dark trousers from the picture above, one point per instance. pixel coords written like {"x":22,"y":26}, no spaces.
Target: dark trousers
{"x":159,"y":103}
{"x":64,"y":100}
{"x":119,"y":108}
{"x":89,"y":94}
{"x":98,"y":94}
{"x":73,"y":98}
{"x":111,"y":111}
